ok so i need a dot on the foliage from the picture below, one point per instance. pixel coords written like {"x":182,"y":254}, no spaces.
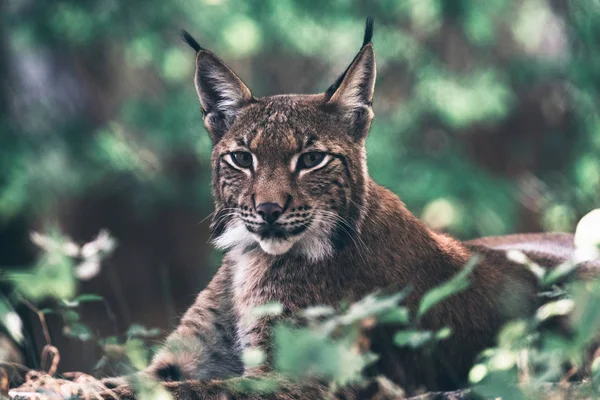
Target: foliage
{"x":527,"y":358}
{"x":97,"y":97}
{"x":438,"y":105}
{"x":331,"y":344}
{"x":54,"y":280}
{"x":528,"y":353}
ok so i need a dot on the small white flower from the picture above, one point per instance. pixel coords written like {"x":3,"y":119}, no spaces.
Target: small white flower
{"x":88,"y":269}
{"x":103,"y":243}
{"x":42,"y":241}
{"x":50,"y":244}
{"x":70,"y":249}
{"x":89,"y":250}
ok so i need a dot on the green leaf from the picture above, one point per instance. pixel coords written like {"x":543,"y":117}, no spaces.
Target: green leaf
{"x":512,"y":334}
{"x":271,"y":309}
{"x":398,"y":315}
{"x":253,"y":357}
{"x":559,"y":273}
{"x":477,"y":373}
{"x":502,"y":360}
{"x":52,"y":277}
{"x":84,"y":298}
{"x":443,"y":333}
{"x":304,"y":352}
{"x":70,"y":316}
{"x":371,"y":306}
{"x":455,"y":285}
{"x":555,"y":308}
{"x":109,"y":340}
{"x":78,"y":331}
{"x":137,"y":354}
{"x":70,"y":303}
{"x":136,"y":330}
{"x":317,"y":312}
{"x":586,"y":315}
{"x":412,"y":338}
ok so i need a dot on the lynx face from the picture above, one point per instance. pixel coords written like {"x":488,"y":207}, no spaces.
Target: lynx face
{"x":289,"y":171}
{"x":284,"y":176}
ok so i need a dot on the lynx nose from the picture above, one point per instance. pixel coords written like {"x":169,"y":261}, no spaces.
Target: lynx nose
{"x":269,"y":211}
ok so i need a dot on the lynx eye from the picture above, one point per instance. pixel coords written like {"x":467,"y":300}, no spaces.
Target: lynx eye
{"x":310,"y":160}
{"x":242,"y":159}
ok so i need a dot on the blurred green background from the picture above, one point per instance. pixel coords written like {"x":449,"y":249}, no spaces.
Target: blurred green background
{"x":486,"y":123}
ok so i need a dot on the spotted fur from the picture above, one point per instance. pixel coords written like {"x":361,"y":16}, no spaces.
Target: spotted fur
{"x":339,"y":236}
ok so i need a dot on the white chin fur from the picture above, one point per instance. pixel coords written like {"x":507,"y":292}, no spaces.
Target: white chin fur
{"x":315,"y":246}
{"x":235,"y":235}
{"x":275,"y":246}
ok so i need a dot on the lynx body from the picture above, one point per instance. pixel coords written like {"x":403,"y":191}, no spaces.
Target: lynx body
{"x":303,"y":224}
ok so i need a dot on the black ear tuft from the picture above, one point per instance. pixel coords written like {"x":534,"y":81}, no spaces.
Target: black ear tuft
{"x":186,"y":37}
{"x":367,"y":39}
{"x":368,"y":31}
{"x":352,"y":92}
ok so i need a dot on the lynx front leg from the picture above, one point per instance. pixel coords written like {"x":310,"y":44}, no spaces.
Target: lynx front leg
{"x":183,"y":390}
{"x":203,"y":347}
{"x":204,"y":344}
{"x":255,"y":333}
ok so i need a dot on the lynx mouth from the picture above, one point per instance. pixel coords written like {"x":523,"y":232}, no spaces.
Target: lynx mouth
{"x":275,"y":240}
{"x":278,"y":232}
{"x":272,"y":232}
{"x":310,"y":239}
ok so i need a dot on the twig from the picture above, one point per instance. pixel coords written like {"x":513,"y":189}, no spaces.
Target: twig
{"x":51,"y":351}
{"x":41,"y":317}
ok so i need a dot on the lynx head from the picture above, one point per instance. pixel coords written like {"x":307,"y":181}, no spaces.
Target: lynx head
{"x":289,"y":171}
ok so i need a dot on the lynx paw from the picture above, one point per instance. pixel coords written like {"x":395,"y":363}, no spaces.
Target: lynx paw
{"x":122,"y":392}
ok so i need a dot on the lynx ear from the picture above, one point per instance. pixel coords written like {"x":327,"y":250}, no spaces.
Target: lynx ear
{"x":353,"y":90}
{"x":221,"y":92}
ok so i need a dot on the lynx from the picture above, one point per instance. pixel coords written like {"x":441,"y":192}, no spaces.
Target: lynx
{"x":302,"y":223}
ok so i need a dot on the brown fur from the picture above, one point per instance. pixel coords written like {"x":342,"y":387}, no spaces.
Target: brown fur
{"x":349,"y":237}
